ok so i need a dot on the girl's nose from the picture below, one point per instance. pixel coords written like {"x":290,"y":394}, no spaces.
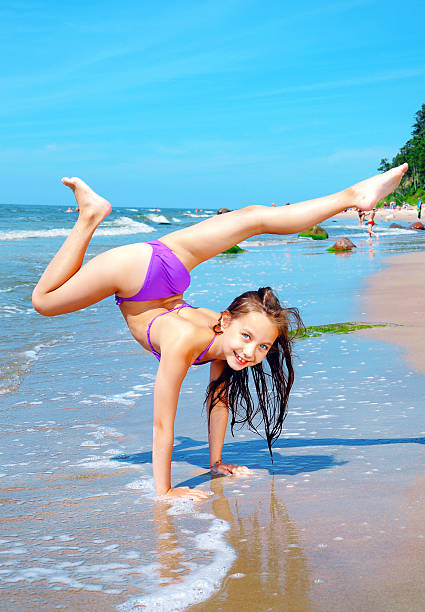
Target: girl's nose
{"x":248,"y":353}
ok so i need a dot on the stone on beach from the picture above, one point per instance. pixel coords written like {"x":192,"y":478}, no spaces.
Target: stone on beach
{"x":342,"y":244}
{"x":316,"y":233}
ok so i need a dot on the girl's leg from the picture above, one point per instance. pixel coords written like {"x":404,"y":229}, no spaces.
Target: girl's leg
{"x":66,"y":285}
{"x":196,"y":244}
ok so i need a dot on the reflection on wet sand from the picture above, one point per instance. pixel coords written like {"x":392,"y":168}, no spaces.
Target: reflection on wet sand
{"x":271,"y":570}
{"x":167,"y":552}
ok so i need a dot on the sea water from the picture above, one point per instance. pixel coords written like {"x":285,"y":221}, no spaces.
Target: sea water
{"x":78,"y":508}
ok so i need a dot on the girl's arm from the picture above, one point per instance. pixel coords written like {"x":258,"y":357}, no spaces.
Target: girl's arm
{"x":175,"y":362}
{"x":217,"y":430}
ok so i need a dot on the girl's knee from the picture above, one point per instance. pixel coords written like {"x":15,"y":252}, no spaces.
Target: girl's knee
{"x":255,"y":213}
{"x":39,"y":303}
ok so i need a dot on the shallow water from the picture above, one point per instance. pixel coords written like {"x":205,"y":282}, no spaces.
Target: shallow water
{"x":79,"y":523}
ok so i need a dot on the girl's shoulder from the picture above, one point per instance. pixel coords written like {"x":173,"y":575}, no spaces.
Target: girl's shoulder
{"x":190,"y":327}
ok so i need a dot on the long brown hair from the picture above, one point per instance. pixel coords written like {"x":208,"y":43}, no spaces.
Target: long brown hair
{"x":273,"y":383}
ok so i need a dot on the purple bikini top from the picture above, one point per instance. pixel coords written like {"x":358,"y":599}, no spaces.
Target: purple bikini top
{"x":158,"y":355}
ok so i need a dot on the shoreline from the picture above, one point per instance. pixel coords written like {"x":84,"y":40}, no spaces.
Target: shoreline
{"x":405,"y":215}
{"x":395,"y":295}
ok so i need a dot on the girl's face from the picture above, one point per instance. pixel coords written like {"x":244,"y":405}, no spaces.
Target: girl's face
{"x":247,"y":339}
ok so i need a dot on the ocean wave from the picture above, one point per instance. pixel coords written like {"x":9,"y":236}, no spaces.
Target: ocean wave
{"x":123,"y":223}
{"x":15,"y":366}
{"x":116,"y":227}
{"x":23,"y":234}
{"x":261,"y":243}
{"x":158,"y":218}
{"x":195,"y":215}
{"x":13,"y":288}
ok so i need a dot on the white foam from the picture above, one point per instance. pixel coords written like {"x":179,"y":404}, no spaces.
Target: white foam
{"x":194,"y":215}
{"x":19,"y":365}
{"x":146,"y":485}
{"x":123,"y":225}
{"x":260,"y":243}
{"x":198,"y":586}
{"x":116,"y":227}
{"x":158,"y":219}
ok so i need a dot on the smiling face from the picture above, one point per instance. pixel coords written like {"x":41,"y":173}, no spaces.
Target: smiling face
{"x":247,"y":339}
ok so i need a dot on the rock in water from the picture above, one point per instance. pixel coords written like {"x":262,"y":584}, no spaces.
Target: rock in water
{"x":397,"y":226}
{"x":221,"y":211}
{"x":417,"y":225}
{"x":316,"y":232}
{"x":342,"y":244}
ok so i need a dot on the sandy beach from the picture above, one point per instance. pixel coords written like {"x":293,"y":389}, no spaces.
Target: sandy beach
{"x":405,"y":215}
{"x":395,"y":295}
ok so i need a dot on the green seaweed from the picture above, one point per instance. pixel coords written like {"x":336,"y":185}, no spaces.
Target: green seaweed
{"x":234,"y":249}
{"x":313,"y":236}
{"x":312,"y":331}
{"x":344,"y":250}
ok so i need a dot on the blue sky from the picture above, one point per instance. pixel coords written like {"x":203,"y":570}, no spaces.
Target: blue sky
{"x":204,"y":104}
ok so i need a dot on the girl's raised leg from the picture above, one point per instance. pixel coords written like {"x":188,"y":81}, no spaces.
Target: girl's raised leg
{"x":196,"y":244}
{"x":66,"y":285}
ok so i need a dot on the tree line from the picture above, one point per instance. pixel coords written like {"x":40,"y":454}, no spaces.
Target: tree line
{"x":413,"y":152}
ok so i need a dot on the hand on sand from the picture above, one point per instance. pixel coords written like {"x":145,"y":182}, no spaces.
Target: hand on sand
{"x":186,"y":493}
{"x":229,"y":469}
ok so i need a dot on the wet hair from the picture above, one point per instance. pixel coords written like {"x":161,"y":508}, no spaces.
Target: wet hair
{"x":272,"y":379}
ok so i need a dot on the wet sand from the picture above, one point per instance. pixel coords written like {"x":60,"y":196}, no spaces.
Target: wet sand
{"x":395,"y":295}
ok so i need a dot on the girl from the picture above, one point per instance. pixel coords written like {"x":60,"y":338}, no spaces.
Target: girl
{"x":149,"y":279}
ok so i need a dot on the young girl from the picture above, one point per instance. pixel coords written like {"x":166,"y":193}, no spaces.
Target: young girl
{"x":149,"y":279}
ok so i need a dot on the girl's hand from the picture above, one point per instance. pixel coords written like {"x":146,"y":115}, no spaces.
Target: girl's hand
{"x":186,"y":493}
{"x":230,"y":470}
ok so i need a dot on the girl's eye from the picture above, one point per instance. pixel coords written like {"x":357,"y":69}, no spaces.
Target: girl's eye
{"x":264,"y":347}
{"x":245,"y":335}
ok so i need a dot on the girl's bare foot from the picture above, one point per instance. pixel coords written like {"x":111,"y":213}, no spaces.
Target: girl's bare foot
{"x":92,"y":206}
{"x":368,"y":193}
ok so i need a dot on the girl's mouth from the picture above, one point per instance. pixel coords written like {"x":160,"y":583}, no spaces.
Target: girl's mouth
{"x":239,"y":359}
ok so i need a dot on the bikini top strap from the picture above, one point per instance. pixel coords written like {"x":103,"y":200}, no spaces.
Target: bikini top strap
{"x":206,"y":350}
{"x":161,"y":314}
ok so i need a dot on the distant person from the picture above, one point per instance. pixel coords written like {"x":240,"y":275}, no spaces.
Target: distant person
{"x":419,"y":207}
{"x":69,"y":210}
{"x":371,"y":223}
{"x":361,"y":214}
{"x":77,"y":209}
{"x":273,"y":204}
{"x":149,"y":280}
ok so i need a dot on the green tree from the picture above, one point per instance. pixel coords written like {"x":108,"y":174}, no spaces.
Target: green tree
{"x":412,"y":152}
